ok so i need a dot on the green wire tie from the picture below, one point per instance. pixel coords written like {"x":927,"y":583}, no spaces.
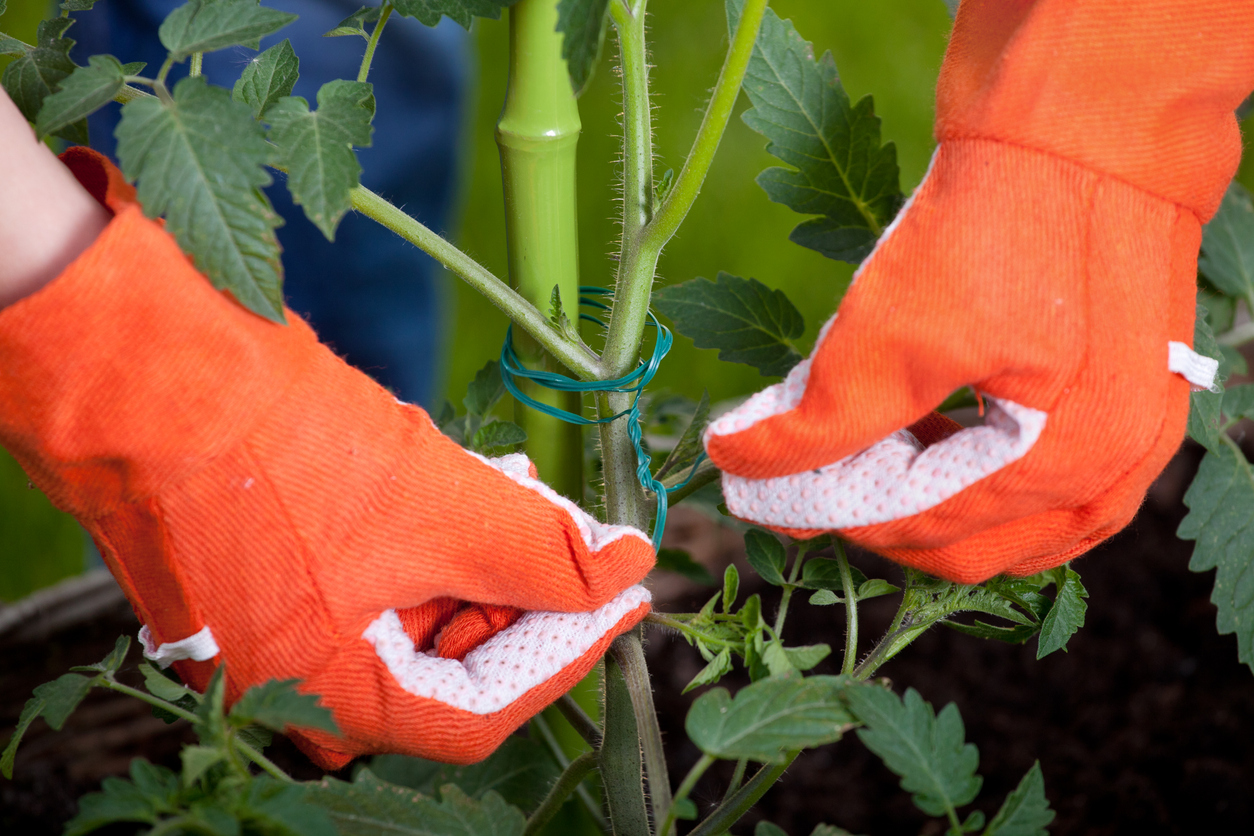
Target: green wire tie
{"x":634,"y":381}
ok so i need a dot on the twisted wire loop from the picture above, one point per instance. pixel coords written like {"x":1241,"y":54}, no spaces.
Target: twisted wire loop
{"x":634,"y":381}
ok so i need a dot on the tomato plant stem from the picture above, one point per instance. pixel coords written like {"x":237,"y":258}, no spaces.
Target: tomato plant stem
{"x":851,"y":609}
{"x":733,"y":808}
{"x":575,"y":357}
{"x":566,"y":783}
{"x":183,"y":714}
{"x":620,"y":754}
{"x":638,"y":261}
{"x":628,"y":651}
{"x":364,"y":72}
{"x":690,"y":780}
{"x":579,"y":720}
{"x":541,"y":725}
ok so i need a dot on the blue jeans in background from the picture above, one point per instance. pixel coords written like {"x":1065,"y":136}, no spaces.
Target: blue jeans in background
{"x":375,"y":299}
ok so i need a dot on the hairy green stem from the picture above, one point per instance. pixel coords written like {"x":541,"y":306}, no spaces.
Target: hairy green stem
{"x":636,"y":265}
{"x":577,"y":358}
{"x":705,"y":473}
{"x":789,"y":588}
{"x":638,"y":262}
{"x":567,"y":783}
{"x":183,"y":714}
{"x":564,"y":761}
{"x":163,"y":72}
{"x":734,"y":808}
{"x":579,"y":720}
{"x":197,"y":65}
{"x":738,"y":775}
{"x":368,"y":57}
{"x":637,"y":121}
{"x":129,"y":93}
{"x":851,"y":610}
{"x":690,"y":780}
{"x":625,"y":500}
{"x":620,"y":758}
{"x":628,"y":651}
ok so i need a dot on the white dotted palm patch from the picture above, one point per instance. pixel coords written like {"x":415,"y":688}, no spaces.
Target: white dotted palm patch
{"x":533,"y":650}
{"x":894,"y":478}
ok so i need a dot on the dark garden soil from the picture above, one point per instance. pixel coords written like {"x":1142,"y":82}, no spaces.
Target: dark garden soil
{"x":1145,"y":726}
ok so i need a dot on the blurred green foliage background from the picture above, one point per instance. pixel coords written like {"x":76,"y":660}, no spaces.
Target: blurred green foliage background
{"x":889,"y":48}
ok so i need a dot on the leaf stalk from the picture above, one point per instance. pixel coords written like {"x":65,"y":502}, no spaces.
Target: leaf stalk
{"x":566,"y":784}
{"x":577,"y":358}
{"x":368,"y":57}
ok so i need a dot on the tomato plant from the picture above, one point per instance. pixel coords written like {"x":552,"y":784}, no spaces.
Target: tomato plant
{"x":200,"y":153}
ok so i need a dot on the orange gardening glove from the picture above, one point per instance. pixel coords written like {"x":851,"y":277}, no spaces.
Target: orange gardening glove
{"x":1048,"y":259}
{"x":265,"y":506}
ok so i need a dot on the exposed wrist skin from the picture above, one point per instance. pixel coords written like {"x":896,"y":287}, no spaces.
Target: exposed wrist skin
{"x":46,"y":218}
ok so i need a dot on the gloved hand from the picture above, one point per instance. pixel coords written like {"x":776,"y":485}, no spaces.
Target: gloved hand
{"x":1048,"y":260}
{"x":266,"y":506}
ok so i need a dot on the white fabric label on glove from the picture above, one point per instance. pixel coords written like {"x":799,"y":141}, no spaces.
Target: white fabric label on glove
{"x":199,"y":647}
{"x":1198,"y":369}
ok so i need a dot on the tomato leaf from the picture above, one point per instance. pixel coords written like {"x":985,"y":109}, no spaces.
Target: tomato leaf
{"x":717,"y":668}
{"x":37,"y":73}
{"x":583,"y":24}
{"x":769,"y":718}
{"x":485,"y":390}
{"x":33,"y":708}
{"x":112,"y":662}
{"x":926,"y":750}
{"x":766,"y":556}
{"x":805,"y":657}
{"x":269,"y":77}
{"x":1065,"y":617}
{"x":689,"y":446}
{"x":209,"y":25}
{"x":371,"y":806}
{"x":12,"y":46}
{"x":1205,"y":426}
{"x":1219,"y":521}
{"x":494,"y":435}
{"x":1025,"y":812}
{"x":429,"y":12}
{"x":1227,"y":258}
{"x":277,"y":704}
{"x":521,"y":770}
{"x":355,"y":24}
{"x":744,"y":319}
{"x":151,"y":791}
{"x":840,"y":170}
{"x":316,"y":148}
{"x":81,"y":94}
{"x":199,"y":161}
{"x":824,"y":573}
{"x":731,"y":586}
{"x":270,"y":807}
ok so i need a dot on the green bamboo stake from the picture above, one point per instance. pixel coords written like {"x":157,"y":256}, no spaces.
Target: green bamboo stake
{"x":537,"y":136}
